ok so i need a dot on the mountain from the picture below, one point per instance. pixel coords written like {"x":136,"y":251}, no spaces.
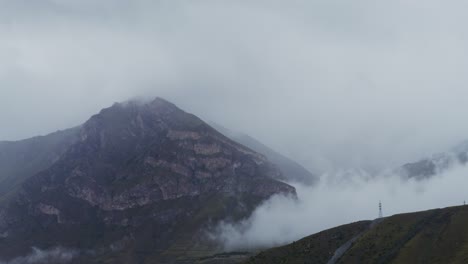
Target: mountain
{"x":434,"y":236}
{"x":22,"y":159}
{"x":291,"y":170}
{"x":137,"y":183}
{"x":436,"y":164}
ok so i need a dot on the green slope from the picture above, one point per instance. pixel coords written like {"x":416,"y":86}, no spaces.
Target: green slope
{"x":318,"y":248}
{"x":434,"y":236}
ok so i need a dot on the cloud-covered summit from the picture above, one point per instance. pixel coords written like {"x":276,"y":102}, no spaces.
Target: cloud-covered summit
{"x":329,"y":83}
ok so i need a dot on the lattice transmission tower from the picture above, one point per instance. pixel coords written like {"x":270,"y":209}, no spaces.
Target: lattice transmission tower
{"x":380,"y":210}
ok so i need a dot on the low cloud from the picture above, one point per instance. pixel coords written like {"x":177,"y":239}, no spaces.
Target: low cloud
{"x":340,"y":199}
{"x":56,"y":255}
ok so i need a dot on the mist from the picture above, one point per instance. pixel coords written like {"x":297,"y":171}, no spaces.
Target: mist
{"x":331,"y":84}
{"x":340,"y":199}
{"x":56,"y":255}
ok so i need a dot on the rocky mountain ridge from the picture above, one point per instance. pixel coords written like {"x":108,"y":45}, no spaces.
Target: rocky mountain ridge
{"x":147,"y":174}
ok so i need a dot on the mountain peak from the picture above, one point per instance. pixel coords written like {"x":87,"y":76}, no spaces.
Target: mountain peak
{"x":161,"y":101}
{"x":157,"y":105}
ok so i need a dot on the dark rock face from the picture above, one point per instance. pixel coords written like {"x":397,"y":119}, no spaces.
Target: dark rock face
{"x":421,"y":169}
{"x":148,"y":174}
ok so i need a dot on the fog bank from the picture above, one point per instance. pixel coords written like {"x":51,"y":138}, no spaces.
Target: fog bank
{"x":341,"y":200}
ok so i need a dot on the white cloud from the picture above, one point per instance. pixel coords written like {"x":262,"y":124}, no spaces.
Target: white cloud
{"x":343,"y":199}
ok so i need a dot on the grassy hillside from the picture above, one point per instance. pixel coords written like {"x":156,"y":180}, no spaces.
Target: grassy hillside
{"x":318,"y":248}
{"x":434,"y":236}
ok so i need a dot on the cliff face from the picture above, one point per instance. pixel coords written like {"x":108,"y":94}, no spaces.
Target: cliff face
{"x":149,"y":175}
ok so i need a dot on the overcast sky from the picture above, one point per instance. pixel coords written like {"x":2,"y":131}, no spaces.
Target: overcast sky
{"x":331,"y":83}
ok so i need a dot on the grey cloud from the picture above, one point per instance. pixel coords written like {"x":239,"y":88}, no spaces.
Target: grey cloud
{"x":332,"y":84}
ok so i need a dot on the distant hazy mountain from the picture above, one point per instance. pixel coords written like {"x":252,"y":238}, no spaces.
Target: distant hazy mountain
{"x":292,"y":171}
{"x":137,"y":183}
{"x":436,"y":163}
{"x":435,"y":236}
{"x":22,"y":159}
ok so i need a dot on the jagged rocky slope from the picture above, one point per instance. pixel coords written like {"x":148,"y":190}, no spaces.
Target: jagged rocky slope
{"x":291,"y":170}
{"x":138,"y":183}
{"x":434,"y":236}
